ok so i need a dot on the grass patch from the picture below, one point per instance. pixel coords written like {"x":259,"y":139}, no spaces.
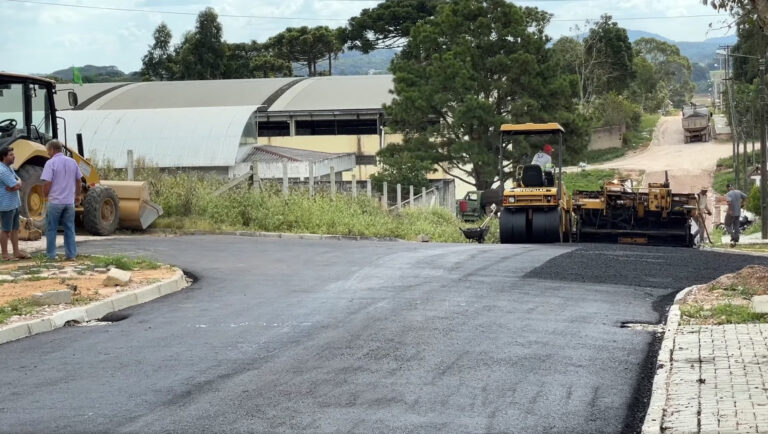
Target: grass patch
{"x":724,"y":313}
{"x":587,"y":179}
{"x":123,"y":262}
{"x":643,"y":133}
{"x":603,"y":155}
{"x":35,"y":278}
{"x":19,"y":306}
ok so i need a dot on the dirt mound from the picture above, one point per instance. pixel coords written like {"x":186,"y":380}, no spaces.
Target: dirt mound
{"x":734,"y":288}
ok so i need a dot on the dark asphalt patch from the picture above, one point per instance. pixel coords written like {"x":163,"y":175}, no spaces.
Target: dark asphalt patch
{"x":664,"y":268}
{"x":642,"y":266}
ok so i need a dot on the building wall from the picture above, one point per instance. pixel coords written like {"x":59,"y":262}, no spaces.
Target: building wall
{"x":606,"y":138}
{"x":363,"y":145}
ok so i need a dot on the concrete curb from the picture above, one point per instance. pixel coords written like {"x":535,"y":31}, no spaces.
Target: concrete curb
{"x":283,"y":235}
{"x":95,"y":310}
{"x":655,"y":414}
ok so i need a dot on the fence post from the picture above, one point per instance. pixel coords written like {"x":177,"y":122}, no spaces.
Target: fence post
{"x":399,"y":197}
{"x":311,"y":179}
{"x":410,"y":198}
{"x":333,"y":182}
{"x":129,"y":165}
{"x":354,"y":186}
{"x":384,"y":199}
{"x":423,"y":201}
{"x":368,"y":187}
{"x":256,"y":181}
{"x":285,"y":178}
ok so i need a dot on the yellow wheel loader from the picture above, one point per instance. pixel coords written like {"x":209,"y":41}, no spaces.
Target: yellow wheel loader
{"x":536,"y":209}
{"x":27,"y":121}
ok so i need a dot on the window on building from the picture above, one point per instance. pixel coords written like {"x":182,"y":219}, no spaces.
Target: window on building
{"x":274,"y":129}
{"x":332,"y":127}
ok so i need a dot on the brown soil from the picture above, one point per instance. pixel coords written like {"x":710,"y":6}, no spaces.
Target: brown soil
{"x":86,"y":286}
{"x":717,"y":291}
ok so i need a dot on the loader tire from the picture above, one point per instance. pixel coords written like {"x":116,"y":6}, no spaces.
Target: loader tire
{"x":33,"y":203}
{"x":101,"y":210}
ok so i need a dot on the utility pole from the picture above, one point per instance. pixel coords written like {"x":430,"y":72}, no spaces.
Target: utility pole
{"x":734,"y":121}
{"x":763,"y":153}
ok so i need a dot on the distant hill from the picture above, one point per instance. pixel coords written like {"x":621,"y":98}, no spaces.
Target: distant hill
{"x":634,"y":35}
{"x":90,"y":71}
{"x":704,"y":51}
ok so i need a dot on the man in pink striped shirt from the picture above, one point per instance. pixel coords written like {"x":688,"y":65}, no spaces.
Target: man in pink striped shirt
{"x":62,"y":187}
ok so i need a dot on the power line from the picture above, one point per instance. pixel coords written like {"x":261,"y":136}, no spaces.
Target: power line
{"x":262,"y":17}
{"x":151,"y":11}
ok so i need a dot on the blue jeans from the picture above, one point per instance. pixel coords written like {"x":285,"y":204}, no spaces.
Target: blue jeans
{"x":63,"y":215}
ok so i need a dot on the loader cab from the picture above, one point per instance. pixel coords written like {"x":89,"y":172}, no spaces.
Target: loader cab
{"x":27,"y":109}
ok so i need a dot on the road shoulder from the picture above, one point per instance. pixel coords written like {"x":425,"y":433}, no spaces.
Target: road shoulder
{"x":94,"y":311}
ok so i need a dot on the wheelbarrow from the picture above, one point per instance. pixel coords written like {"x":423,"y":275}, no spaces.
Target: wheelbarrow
{"x":479,"y":233}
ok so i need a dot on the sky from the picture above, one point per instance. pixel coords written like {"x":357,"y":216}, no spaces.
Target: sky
{"x":41,"y":36}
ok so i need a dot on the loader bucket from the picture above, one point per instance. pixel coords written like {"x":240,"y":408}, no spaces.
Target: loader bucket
{"x":136,"y":210}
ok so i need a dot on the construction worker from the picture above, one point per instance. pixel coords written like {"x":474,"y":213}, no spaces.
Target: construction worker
{"x":734,"y":198}
{"x":544,"y":158}
{"x":703,"y":208}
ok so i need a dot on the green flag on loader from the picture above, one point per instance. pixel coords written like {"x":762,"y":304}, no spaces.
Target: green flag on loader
{"x":76,"y":77}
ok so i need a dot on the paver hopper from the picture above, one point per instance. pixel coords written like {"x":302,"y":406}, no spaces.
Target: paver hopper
{"x":28,"y":121}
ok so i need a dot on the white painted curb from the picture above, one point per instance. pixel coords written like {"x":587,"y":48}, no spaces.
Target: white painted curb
{"x":655,"y":414}
{"x":95,"y":310}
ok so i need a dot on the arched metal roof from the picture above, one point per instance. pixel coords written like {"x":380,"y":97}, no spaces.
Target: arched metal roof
{"x":178,"y":137}
{"x":184,"y":94}
{"x":347,"y":93}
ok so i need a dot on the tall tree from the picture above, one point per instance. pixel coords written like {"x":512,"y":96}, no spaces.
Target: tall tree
{"x":388,"y":24}
{"x":157,"y":64}
{"x":671,"y":67}
{"x":475,"y":65}
{"x":307,"y":45}
{"x":203,"y":52}
{"x":609,"y":44}
{"x":254,"y":60}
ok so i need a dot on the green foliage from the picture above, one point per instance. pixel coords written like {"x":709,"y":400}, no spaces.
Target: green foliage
{"x":609,"y":43}
{"x":308,"y":46}
{"x":398,"y":166}
{"x":157,"y":64}
{"x":602,"y":155}
{"x":613,"y":109}
{"x":670,"y":67}
{"x":753,"y":200}
{"x":388,"y":24}
{"x":587,"y":180}
{"x":202,"y":53}
{"x":453,"y":87}
{"x":19,"y":306}
{"x":725,"y":313}
{"x":123,"y":262}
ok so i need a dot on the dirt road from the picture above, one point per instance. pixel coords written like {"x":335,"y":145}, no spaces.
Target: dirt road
{"x":690,"y":165}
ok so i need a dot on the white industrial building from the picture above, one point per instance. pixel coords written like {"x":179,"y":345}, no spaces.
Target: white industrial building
{"x":214,"y":125}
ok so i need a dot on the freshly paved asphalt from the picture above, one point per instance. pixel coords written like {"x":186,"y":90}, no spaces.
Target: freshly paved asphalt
{"x":318,"y":336}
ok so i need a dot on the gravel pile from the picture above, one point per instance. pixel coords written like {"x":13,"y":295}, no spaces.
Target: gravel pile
{"x":642,"y":266}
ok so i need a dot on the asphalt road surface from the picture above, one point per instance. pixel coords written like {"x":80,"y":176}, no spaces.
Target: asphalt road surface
{"x":321,"y":336}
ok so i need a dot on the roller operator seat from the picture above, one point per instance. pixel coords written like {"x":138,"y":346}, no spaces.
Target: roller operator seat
{"x":533,"y":176}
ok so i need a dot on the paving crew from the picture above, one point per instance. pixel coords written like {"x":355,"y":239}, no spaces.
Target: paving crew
{"x":544,"y":158}
{"x":734,"y":197}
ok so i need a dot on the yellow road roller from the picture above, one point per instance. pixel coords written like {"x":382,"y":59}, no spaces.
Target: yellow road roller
{"x":27,"y":121}
{"x":536,"y":209}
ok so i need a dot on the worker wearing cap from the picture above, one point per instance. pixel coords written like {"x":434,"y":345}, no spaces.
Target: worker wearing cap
{"x":544,"y":158}
{"x":703,"y":208}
